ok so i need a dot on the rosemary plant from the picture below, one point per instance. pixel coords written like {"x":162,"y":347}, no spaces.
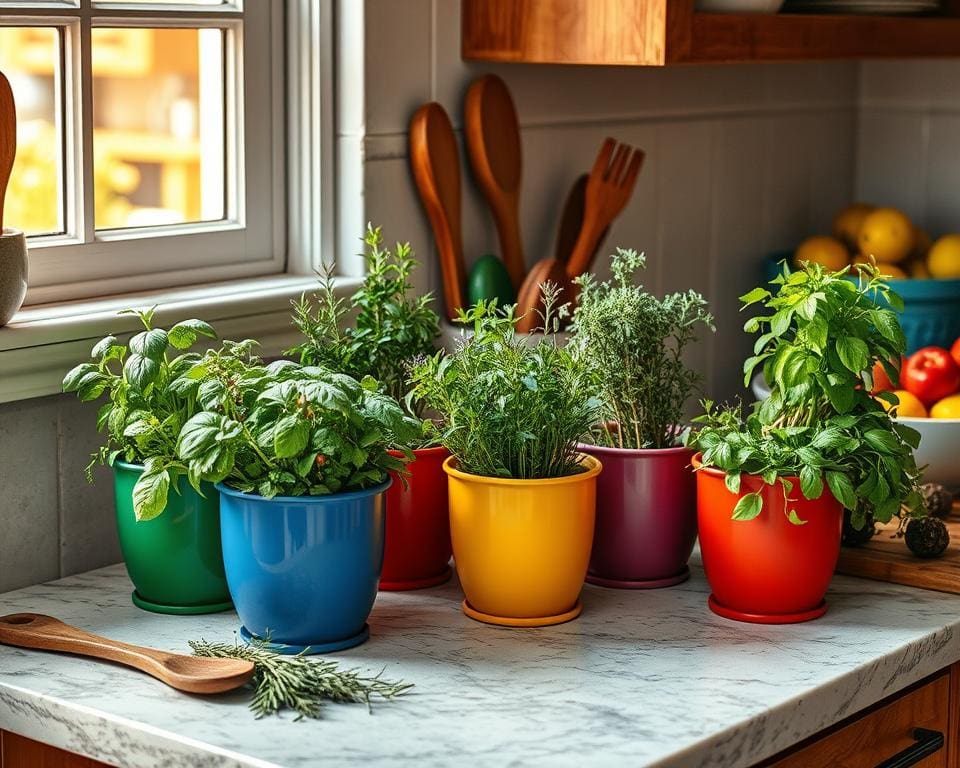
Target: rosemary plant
{"x":633,"y":343}
{"x":298,"y":682}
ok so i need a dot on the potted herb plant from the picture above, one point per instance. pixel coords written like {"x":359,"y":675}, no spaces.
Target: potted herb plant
{"x":771,"y":488}
{"x":522,"y":499}
{"x":170,"y":541}
{"x":378,"y":333}
{"x":300,"y":456}
{"x":633,"y":343}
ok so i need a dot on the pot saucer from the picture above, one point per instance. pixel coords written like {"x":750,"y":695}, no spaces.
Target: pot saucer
{"x":509,"y":621}
{"x":180,"y":610}
{"x":309,"y":650}
{"x":669,"y":581}
{"x":767,"y":618}
{"x":431,"y":581}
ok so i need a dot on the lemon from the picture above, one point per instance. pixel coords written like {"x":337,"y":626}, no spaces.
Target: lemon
{"x":910,"y":404}
{"x":948,"y":408}
{"x":846,"y":224}
{"x":943,"y":261}
{"x":826,"y":251}
{"x":887,"y":235}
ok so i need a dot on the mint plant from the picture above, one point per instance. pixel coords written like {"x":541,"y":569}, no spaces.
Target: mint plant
{"x":633,"y":344}
{"x":819,"y":337}
{"x":509,"y":409}
{"x":285,"y":429}
{"x":146,"y":409}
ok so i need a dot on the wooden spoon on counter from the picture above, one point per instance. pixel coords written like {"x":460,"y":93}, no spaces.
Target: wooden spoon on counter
{"x":191,"y":674}
{"x":435,"y":160}
{"x":493,"y":143}
{"x":8,"y":139}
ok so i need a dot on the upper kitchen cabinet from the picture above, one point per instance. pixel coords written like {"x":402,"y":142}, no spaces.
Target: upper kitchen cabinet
{"x":659,"y":32}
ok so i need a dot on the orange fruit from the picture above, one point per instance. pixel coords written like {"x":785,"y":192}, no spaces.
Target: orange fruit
{"x":887,"y":235}
{"x":847,"y":223}
{"x":948,"y":408}
{"x":826,"y":251}
{"x":943,"y":260}
{"x":910,"y":404}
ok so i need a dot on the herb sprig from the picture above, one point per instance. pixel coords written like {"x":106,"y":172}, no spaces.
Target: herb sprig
{"x":820,"y":335}
{"x":298,"y":682}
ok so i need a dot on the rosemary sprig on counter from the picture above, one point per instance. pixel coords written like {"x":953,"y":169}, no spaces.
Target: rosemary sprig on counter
{"x":298,"y":682}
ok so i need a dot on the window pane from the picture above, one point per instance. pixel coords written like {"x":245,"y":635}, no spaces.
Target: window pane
{"x":30,"y":58}
{"x":158,"y":119}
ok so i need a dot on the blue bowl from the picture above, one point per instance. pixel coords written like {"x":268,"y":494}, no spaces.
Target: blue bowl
{"x":303,"y":571}
{"x":931,"y":312}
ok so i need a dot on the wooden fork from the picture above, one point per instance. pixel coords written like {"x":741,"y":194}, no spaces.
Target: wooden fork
{"x":608,"y":190}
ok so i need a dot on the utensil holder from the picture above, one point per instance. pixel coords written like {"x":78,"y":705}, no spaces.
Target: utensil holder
{"x":13,"y":273}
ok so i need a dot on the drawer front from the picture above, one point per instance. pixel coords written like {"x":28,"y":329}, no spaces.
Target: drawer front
{"x":876,"y":737}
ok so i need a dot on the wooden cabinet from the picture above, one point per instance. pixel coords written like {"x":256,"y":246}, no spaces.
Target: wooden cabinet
{"x":658,"y":32}
{"x":21,"y":752}
{"x":917,"y":727}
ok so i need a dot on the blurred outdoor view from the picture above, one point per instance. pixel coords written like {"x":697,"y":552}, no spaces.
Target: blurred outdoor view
{"x":158,"y":127}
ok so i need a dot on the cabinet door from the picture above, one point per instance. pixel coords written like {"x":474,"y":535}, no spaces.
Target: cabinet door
{"x":876,"y":737}
{"x":21,"y":752}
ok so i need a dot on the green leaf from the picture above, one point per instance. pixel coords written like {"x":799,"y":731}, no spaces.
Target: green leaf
{"x":811,"y":482}
{"x":908,"y":434}
{"x":71,"y":382}
{"x":752,"y":297}
{"x":185,"y":334}
{"x":140,"y":371}
{"x":841,"y":488}
{"x":889,"y":327}
{"x":150,"y":493}
{"x":882,"y":440}
{"x":151,"y":344}
{"x":748,"y":507}
{"x":290,"y":436}
{"x":105,"y":345}
{"x":781,"y":322}
{"x":794,"y":518}
{"x":732,"y":481}
{"x":198,"y":435}
{"x":853,"y":353}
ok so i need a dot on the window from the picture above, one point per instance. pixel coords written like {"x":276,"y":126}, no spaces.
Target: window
{"x":150,"y":141}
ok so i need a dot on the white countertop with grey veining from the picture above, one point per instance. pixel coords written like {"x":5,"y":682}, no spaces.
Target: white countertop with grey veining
{"x":641,"y":679}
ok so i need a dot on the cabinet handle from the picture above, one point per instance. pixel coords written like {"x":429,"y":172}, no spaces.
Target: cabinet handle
{"x":926,"y":743}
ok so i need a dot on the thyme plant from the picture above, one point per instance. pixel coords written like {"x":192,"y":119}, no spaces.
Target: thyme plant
{"x":390,"y":328}
{"x":633,"y":343}
{"x":820,"y":334}
{"x":509,"y":409}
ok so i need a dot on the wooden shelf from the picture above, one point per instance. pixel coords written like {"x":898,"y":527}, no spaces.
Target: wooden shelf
{"x":659,"y":32}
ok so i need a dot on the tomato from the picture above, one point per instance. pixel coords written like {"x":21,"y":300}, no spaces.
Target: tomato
{"x":931,"y":374}
{"x":955,"y":351}
{"x":882,"y":382}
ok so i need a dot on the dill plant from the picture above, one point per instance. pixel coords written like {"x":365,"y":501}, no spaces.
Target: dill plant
{"x":633,"y":344}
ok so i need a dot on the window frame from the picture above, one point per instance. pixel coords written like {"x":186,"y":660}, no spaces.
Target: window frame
{"x":250,"y":241}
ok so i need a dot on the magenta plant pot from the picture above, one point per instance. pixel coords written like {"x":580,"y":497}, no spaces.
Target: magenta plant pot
{"x":646,"y":517}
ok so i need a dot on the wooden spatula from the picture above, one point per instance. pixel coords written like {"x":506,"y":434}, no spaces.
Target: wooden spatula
{"x":571,"y":222}
{"x":185,"y":673}
{"x":8,"y":139}
{"x":493,"y":143}
{"x":435,"y":160}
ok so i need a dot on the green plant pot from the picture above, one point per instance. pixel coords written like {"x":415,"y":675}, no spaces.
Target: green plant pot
{"x":174,"y":561}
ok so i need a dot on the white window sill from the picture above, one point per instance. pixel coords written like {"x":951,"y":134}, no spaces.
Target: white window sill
{"x":44,"y":341}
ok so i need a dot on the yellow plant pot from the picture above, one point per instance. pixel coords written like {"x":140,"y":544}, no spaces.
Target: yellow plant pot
{"x":522,"y":546}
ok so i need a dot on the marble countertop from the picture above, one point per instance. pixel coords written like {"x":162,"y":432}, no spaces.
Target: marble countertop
{"x":641,"y":679}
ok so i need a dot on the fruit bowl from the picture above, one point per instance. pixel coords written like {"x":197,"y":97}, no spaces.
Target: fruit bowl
{"x":939,"y":449}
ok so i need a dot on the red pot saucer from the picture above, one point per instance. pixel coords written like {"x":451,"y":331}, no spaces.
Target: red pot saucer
{"x":509,"y":621}
{"x":669,"y":581}
{"x":430,"y":581}
{"x":767,"y":618}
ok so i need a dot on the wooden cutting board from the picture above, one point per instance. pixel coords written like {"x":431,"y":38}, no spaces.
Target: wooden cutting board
{"x":886,"y":558}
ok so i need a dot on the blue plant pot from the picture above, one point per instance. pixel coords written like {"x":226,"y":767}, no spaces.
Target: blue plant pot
{"x":303,"y":571}
{"x":931,"y":308}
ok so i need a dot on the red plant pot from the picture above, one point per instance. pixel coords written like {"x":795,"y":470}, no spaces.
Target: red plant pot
{"x":766,"y":570}
{"x":646,"y":517}
{"x":417,"y":550}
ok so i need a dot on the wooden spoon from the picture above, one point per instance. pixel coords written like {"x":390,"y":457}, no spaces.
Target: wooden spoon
{"x":185,"y":673}
{"x":8,"y":139}
{"x":530,"y":306}
{"x":493,"y":143}
{"x":571,"y":222}
{"x":435,"y":160}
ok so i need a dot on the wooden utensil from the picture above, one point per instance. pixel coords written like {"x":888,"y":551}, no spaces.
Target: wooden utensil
{"x":8,"y":139}
{"x":530,"y":306}
{"x":608,"y":190}
{"x":571,"y":222}
{"x":435,"y":160}
{"x":185,"y":673}
{"x":493,"y":144}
